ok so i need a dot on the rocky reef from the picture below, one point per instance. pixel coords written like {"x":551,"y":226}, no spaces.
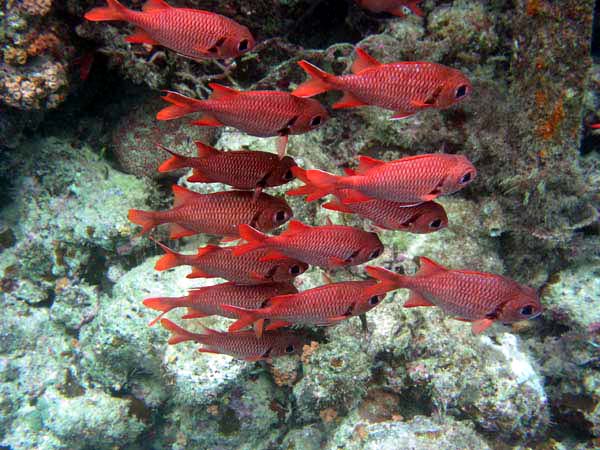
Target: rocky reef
{"x":79,"y":366}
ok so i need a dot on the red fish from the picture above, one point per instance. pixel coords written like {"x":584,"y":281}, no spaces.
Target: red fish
{"x":213,"y":261}
{"x":242,"y":169}
{"x":219,"y":213}
{"x":258,"y":113}
{"x":207,"y":301}
{"x":395,"y":7}
{"x":244,"y":345}
{"x":192,"y":33}
{"x":329,"y":246}
{"x":403,"y":87}
{"x":324,"y":305}
{"x":424,"y":218}
{"x":477,"y":297}
{"x":410,"y":180}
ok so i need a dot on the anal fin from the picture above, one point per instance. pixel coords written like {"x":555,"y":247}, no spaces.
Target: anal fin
{"x":141,"y":37}
{"x":415,"y":300}
{"x":199,"y":273}
{"x":207,"y":121}
{"x":178,"y":231}
{"x":348,"y":101}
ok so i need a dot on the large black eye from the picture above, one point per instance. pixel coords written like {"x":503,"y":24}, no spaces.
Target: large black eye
{"x":280,"y":216}
{"x":295,"y":270}
{"x":316,"y":121}
{"x":461,"y":91}
{"x":288,"y":175}
{"x":290,"y":349}
{"x":527,"y":310}
{"x":375,"y":254}
{"x":374,"y":300}
{"x":435,"y":224}
{"x":243,"y":45}
{"x":466,"y":178}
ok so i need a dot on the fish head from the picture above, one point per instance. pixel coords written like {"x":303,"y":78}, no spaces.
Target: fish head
{"x":273,"y":214}
{"x":282,"y":173}
{"x":460,"y":173}
{"x":455,"y":88}
{"x":237,"y":42}
{"x":370,"y":248}
{"x":523,"y":304}
{"x":287,"y":269}
{"x":288,"y":343}
{"x":368,"y":300}
{"x":428,"y":217}
{"x":311,"y":117}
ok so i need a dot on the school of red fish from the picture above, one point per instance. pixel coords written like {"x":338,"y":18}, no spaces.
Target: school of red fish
{"x":394,"y":195}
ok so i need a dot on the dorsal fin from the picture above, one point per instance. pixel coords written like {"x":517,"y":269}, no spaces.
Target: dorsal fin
{"x":296,"y":226}
{"x":429,"y":267}
{"x":207,"y":249}
{"x":155,"y":5}
{"x":204,"y":151}
{"x":183,"y":195}
{"x":366,"y":162}
{"x":221,"y":92}
{"x":417,"y":157}
{"x":363,"y":61}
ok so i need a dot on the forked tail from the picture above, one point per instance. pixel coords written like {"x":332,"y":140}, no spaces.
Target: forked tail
{"x":170,"y":259}
{"x":176,"y":162}
{"x":180,"y":106}
{"x":255,"y":240}
{"x":324,"y":183}
{"x":179,"y":334}
{"x":388,"y":280}
{"x":246,"y":318}
{"x":146,"y":219}
{"x":320,"y":81}
{"x":164,"y":304}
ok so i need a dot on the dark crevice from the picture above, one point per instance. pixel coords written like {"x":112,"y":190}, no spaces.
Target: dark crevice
{"x":596,"y":33}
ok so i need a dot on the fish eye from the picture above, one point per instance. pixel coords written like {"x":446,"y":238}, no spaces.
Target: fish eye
{"x":295,"y":270}
{"x":435,"y":224}
{"x":280,"y":216}
{"x":466,"y":178}
{"x":316,"y":121}
{"x":288,"y":175}
{"x":527,"y":310}
{"x":375,"y":254}
{"x":290,"y":349}
{"x":374,"y":300}
{"x":461,"y":91}
{"x":243,"y":45}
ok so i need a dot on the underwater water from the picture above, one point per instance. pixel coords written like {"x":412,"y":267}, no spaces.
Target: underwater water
{"x":378,"y":254}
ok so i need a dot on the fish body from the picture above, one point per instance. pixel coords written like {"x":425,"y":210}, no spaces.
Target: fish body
{"x":248,"y":269}
{"x":219,"y":213}
{"x":403,"y":87}
{"x":243,"y":345}
{"x":192,"y":33}
{"x":410,"y":180}
{"x":477,"y":297}
{"x":329,"y":246}
{"x":241,"y":169}
{"x":324,"y":305}
{"x":258,"y":113}
{"x":207,"y":301}
{"x":395,"y":7}
{"x":423,"y":218}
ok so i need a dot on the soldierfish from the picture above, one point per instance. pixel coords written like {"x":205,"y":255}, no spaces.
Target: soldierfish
{"x":395,"y":7}
{"x":410,"y":180}
{"x":192,"y":33}
{"x":324,"y":305}
{"x":258,"y":113}
{"x":243,"y":345}
{"x":219,"y":213}
{"x":241,"y":169}
{"x":207,"y":301}
{"x":403,"y":87}
{"x":213,"y":261}
{"x":423,"y":218}
{"x":328,"y":246}
{"x":477,"y":297}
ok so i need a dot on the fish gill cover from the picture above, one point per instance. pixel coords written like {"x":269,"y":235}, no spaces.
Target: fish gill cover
{"x":477,"y":201}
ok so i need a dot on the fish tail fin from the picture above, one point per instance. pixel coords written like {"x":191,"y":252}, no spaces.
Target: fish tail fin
{"x":163,"y":304}
{"x":146,"y":219}
{"x":180,"y":106}
{"x":254,"y":237}
{"x":308,"y":187}
{"x":325,"y":183}
{"x":319,"y":81}
{"x":170,"y":259}
{"x":114,"y":11}
{"x":176,"y":162}
{"x":246,"y":317}
{"x":388,"y":280}
{"x":178,"y":334}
